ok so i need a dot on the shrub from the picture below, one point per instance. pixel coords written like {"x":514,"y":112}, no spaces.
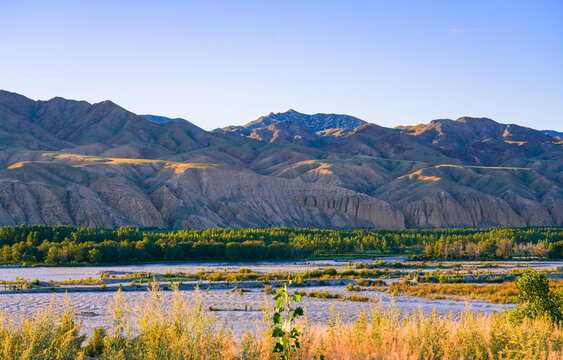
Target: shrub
{"x":352,"y":287}
{"x":95,"y":346}
{"x":358,"y":298}
{"x":330,"y":272}
{"x":536,"y":298}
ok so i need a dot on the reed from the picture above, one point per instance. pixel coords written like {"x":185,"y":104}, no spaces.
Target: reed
{"x":183,"y":329}
{"x":504,"y":293}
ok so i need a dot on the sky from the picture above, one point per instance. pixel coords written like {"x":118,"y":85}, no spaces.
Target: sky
{"x":218,"y":63}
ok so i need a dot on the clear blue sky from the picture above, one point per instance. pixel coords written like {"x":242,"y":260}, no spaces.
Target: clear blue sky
{"x":228,"y":62}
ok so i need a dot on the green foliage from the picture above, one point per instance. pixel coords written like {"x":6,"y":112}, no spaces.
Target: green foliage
{"x":536,"y":298}
{"x":95,"y":346}
{"x":56,"y":245}
{"x":285,"y":331}
{"x":329,"y":271}
{"x":353,"y":287}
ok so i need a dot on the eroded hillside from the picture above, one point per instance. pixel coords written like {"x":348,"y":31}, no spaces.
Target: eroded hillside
{"x":99,"y":165}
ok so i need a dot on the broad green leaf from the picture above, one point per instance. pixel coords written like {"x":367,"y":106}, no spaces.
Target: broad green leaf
{"x":296,"y":313}
{"x":278,"y":332}
{"x":277,"y":318}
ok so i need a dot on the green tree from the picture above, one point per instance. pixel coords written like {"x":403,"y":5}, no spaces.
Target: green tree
{"x":95,"y":256}
{"x":536,"y":298}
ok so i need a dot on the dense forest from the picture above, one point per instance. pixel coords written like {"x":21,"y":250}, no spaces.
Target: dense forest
{"x":55,"y":245}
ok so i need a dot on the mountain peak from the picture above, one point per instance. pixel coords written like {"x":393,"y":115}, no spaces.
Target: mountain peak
{"x":107,"y":103}
{"x":16,"y":102}
{"x":6,"y":95}
{"x":163,"y":119}
{"x":6,"y":92}
{"x":58,"y":98}
{"x":324,"y":125}
{"x":472,"y":118}
{"x":476,"y":121}
{"x":316,"y":122}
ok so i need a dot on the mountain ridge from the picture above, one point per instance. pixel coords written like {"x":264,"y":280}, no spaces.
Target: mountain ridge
{"x":163,"y":119}
{"x":99,"y":165}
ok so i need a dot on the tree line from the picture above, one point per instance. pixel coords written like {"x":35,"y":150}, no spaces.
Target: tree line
{"x":55,"y":245}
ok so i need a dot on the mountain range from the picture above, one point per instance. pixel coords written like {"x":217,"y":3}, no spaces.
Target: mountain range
{"x":99,"y":165}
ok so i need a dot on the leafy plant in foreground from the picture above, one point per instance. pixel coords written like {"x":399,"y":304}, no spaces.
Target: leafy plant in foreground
{"x":285,"y":330}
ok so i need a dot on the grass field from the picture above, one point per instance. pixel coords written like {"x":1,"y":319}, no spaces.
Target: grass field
{"x":185,"y":330}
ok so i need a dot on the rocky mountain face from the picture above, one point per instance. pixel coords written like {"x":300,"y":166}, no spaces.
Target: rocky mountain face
{"x":295,"y":127}
{"x":99,"y":165}
{"x":316,"y":122}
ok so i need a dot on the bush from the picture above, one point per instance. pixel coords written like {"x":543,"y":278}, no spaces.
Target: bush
{"x":352,"y":287}
{"x":369,"y":282}
{"x":95,"y":346}
{"x":536,"y":298}
{"x":358,"y":298}
{"x":330,"y":272}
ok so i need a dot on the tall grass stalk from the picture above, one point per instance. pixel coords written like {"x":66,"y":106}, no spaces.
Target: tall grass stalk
{"x":183,"y":329}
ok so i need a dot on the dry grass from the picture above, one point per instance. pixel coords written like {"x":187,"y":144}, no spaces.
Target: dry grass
{"x":385,"y":335}
{"x":504,"y":293}
{"x":79,"y":160}
{"x":184,"y":330}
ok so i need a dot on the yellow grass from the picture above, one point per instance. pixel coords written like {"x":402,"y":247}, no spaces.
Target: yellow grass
{"x":486,"y":167}
{"x":322,"y":167}
{"x":504,"y":293}
{"x":182,"y":329}
{"x":86,"y":160}
{"x":519,"y":143}
{"x":417,"y":175}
